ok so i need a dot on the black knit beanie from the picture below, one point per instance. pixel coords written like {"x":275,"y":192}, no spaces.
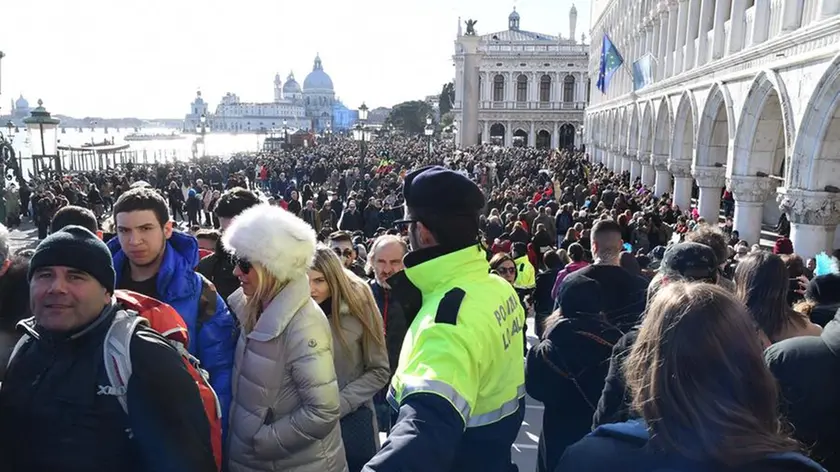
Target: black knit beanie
{"x":76,"y":247}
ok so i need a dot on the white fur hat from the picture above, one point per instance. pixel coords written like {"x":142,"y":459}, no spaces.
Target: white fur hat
{"x":271,"y":236}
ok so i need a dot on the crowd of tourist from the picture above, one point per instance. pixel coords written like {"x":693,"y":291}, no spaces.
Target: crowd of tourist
{"x":271,"y":293}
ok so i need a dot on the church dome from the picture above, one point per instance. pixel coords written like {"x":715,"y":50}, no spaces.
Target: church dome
{"x":21,"y":103}
{"x":291,"y":85}
{"x":318,"y":79}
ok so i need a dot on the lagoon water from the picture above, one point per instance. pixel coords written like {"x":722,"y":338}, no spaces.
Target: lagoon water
{"x":217,"y":144}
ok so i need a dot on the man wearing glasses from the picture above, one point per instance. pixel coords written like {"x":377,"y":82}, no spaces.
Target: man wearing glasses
{"x":341,"y":242}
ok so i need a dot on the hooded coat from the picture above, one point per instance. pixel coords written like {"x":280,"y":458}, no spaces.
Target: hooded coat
{"x":179,"y":286}
{"x":286,"y":405}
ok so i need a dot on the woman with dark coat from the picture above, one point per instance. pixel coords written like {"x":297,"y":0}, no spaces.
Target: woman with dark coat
{"x":707,"y":401}
{"x":566,"y":370}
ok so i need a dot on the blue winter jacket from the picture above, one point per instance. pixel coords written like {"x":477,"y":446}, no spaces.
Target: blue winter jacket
{"x":180,"y":286}
{"x":625,"y":446}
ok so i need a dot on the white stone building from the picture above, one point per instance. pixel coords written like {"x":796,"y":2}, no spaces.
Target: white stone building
{"x":307,"y":108}
{"x":531,"y":86}
{"x":745,"y":95}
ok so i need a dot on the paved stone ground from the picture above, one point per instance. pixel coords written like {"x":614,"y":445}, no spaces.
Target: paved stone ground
{"x":24,"y":237}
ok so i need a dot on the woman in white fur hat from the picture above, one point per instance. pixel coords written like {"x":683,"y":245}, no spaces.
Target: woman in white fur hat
{"x":286,"y":406}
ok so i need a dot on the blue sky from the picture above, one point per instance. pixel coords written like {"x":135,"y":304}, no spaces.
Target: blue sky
{"x":117,"y":58}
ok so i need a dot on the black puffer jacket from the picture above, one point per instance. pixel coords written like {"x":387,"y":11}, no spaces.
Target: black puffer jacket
{"x":53,"y":415}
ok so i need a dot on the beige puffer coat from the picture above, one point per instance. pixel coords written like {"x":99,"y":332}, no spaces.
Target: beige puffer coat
{"x":285,"y":409}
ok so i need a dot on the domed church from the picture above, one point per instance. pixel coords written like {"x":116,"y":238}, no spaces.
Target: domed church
{"x":310,"y":107}
{"x":318,"y":96}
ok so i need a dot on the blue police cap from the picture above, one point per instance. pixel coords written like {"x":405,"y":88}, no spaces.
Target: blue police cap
{"x":437,"y":191}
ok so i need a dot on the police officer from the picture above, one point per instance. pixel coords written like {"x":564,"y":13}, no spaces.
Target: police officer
{"x":459,"y":387}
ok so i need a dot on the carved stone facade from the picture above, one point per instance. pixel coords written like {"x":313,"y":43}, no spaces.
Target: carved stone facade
{"x":810,"y":208}
{"x":772,"y":123}
{"x":532,"y":87}
{"x":751,"y":189}
{"x":709,"y":177}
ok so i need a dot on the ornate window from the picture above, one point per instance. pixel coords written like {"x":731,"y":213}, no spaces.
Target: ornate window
{"x":545,"y":89}
{"x":569,"y":89}
{"x":498,"y":88}
{"x":522,"y":88}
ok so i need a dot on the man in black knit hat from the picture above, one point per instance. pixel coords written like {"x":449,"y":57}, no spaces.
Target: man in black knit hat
{"x":57,"y":411}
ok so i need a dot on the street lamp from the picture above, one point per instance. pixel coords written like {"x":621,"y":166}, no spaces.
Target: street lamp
{"x":430,"y":130}
{"x":285,"y":135}
{"x":360,"y":133}
{"x":43,"y":136}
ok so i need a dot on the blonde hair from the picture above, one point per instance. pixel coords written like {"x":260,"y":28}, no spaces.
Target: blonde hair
{"x":267,"y":288}
{"x":347,"y":288}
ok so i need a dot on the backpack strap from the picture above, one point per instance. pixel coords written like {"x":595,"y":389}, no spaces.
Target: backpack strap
{"x":117,"y":352}
{"x":21,"y":342}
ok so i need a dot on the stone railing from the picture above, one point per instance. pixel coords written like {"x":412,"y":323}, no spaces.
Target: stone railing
{"x":517,"y":105}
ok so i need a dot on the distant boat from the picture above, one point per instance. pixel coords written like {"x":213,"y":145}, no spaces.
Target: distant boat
{"x":152,"y":137}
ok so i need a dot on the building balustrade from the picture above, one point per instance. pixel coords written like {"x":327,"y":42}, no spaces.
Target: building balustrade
{"x":530,"y":105}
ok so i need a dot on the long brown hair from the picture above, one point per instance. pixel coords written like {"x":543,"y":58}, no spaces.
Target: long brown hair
{"x":348,"y":289}
{"x":697,"y":376}
{"x":762,"y":283}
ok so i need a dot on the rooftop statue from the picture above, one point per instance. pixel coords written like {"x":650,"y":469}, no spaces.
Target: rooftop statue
{"x":471,"y":27}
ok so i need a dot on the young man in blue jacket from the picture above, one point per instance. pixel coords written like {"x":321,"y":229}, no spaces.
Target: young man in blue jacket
{"x":152,"y":259}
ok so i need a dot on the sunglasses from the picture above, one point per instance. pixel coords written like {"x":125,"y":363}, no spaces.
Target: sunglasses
{"x":345,"y":253}
{"x":243,"y":264}
{"x":506,"y":270}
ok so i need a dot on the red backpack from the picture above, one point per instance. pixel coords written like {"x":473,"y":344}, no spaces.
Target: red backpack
{"x":137,"y":309}
{"x":140,"y":309}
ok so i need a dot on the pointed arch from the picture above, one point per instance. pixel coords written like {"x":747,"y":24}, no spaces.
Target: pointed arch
{"x":646,"y":131}
{"x":633,"y":130}
{"x":625,"y":128}
{"x":716,"y":127}
{"x":684,"y":128}
{"x":615,"y":139}
{"x":662,"y":128}
{"x":811,"y":164}
{"x":767,"y":86}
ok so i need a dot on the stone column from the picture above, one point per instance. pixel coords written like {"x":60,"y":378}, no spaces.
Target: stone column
{"x":555,"y":136}
{"x":635,"y":168}
{"x":508,"y":134}
{"x":532,"y":136}
{"x":718,"y":47}
{"x":663,"y":43}
{"x":673,"y":18}
{"x":751,"y":193}
{"x":625,"y":163}
{"x":693,"y":26}
{"x":791,"y":14}
{"x":648,"y":175}
{"x":470,"y":99}
{"x":814,"y":217}
{"x":682,"y":14}
{"x":710,"y":180}
{"x":703,"y":34}
{"x":662,"y":183}
{"x":485,"y":137}
{"x":683,"y":183}
{"x":737,"y":25}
